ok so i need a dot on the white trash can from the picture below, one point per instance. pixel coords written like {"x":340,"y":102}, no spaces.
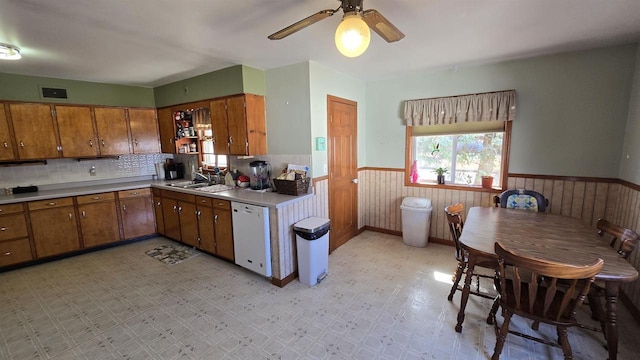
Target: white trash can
{"x":312,"y":242}
{"x":416,"y":221}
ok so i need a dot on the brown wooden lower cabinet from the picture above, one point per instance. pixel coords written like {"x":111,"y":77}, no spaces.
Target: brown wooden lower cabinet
{"x":171,"y":219}
{"x":205,"y":224}
{"x":188,"y":223}
{"x":137,"y":213}
{"x":14,"y":236}
{"x":157,"y":208}
{"x":54,"y":226}
{"x":223,"y":228}
{"x":98,"y":219}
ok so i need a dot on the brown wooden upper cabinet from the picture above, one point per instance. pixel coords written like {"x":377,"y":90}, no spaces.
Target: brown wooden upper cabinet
{"x":77,"y":134}
{"x":113,"y":134}
{"x":167,"y":132}
{"x":7,"y":148}
{"x":35,"y":131}
{"x":144,"y":131}
{"x":241,"y":119}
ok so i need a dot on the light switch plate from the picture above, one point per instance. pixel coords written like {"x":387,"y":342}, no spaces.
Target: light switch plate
{"x":321,"y":144}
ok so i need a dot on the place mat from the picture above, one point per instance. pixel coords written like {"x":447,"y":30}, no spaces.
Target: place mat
{"x":172,"y":254}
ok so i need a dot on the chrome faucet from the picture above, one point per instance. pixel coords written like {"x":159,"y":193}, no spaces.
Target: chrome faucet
{"x":202,"y":176}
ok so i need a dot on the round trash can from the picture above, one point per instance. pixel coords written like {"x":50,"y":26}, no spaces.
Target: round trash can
{"x":416,"y":221}
{"x":312,"y":242}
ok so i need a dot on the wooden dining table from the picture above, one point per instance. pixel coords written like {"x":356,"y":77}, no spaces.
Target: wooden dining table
{"x":550,"y":237}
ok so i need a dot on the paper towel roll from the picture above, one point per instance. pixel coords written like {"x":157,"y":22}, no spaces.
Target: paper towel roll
{"x":160,"y":170}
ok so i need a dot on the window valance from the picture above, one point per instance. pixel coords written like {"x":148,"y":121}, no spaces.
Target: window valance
{"x":491,"y":106}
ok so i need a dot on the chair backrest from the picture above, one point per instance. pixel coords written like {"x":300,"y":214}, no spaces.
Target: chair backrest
{"x":454,"y":218}
{"x":522,"y":199}
{"x":542,"y":290}
{"x":626,"y":239}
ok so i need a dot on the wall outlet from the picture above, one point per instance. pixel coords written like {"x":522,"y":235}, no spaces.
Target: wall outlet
{"x":92,"y":171}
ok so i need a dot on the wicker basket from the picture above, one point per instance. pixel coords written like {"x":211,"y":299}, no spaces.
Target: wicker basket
{"x":292,"y":187}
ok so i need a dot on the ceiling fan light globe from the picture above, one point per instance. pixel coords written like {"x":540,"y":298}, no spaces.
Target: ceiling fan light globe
{"x":352,"y":35}
{"x":9,"y":52}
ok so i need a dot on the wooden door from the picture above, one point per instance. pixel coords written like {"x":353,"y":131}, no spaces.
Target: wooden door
{"x":144,"y":131}
{"x":113,"y":136}
{"x":35,"y":131}
{"x":343,"y":170}
{"x":7,"y":143}
{"x":171,"y":219}
{"x":167,"y":131}
{"x":237,"y":124}
{"x":157,"y":208}
{"x":256,"y":124}
{"x":206,"y":230}
{"x":77,"y":134}
{"x":188,"y":223}
{"x":55,"y":231}
{"x":223,"y":233}
{"x":137,"y":216}
{"x":219,"y":126}
{"x":98,"y":223}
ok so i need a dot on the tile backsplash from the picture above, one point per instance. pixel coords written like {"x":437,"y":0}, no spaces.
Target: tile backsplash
{"x":58,"y":171}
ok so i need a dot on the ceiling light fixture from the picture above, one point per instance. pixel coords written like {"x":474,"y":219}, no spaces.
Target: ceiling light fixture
{"x":9,"y":52}
{"x":352,"y":35}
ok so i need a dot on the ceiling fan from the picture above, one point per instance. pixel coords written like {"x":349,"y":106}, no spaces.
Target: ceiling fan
{"x":352,"y":33}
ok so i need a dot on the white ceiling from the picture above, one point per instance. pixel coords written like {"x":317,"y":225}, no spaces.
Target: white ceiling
{"x":154,"y":42}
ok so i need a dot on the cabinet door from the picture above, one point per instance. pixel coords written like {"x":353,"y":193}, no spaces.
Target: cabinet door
{"x":157,"y":208}
{"x":99,"y":223}
{"x":205,"y":228}
{"x":219,"y":126}
{"x":137,"y":217}
{"x":15,"y":252}
{"x":55,"y":231}
{"x":77,"y":135}
{"x":167,"y":131}
{"x":36,"y":134}
{"x":113,"y":135}
{"x":256,"y":124}
{"x":144,"y":131}
{"x":188,"y":223}
{"x":171,"y":219}
{"x":224,"y":233}
{"x":6,"y":143}
{"x":237,"y":124}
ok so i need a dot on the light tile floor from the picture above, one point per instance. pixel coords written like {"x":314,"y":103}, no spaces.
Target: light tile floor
{"x":381,"y":300}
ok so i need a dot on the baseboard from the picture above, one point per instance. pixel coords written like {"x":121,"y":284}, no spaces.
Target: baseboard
{"x":399,"y":233}
{"x":629,"y":305}
{"x":289,"y":278}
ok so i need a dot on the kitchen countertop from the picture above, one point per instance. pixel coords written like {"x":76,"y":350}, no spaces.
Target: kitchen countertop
{"x":270,"y":199}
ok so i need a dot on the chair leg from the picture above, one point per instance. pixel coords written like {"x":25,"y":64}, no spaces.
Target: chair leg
{"x":502,"y":336}
{"x":563,"y":340}
{"x":594,"y":303}
{"x":491,"y":319}
{"x":457,"y":275}
{"x":535,"y":325}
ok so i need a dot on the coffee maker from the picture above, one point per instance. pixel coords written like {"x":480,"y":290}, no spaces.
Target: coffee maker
{"x":174,"y":171}
{"x":259,"y":173}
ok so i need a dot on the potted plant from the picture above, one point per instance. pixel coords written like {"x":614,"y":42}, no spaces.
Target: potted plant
{"x":441,"y":171}
{"x":487,"y":181}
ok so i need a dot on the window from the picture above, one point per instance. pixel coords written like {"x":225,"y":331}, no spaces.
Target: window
{"x":466,"y":151}
{"x":209,"y":159}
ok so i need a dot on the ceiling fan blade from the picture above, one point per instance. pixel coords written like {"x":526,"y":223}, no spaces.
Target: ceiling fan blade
{"x":381,"y":25}
{"x":295,"y":27}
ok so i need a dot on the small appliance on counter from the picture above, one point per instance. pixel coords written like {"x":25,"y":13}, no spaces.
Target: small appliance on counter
{"x":259,"y":173}
{"x":174,"y":171}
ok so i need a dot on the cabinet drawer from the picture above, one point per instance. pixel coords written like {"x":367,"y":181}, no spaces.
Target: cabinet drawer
{"x":203,"y":201}
{"x":88,"y":199}
{"x":14,"y":252}
{"x":179,"y":196}
{"x":11,"y":209}
{"x":13,"y":227}
{"x":134,"y":193}
{"x":51,"y":203}
{"x":155,"y":191}
{"x":221,"y":204}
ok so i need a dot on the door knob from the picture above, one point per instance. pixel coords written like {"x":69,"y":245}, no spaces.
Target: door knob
{"x":355,"y":181}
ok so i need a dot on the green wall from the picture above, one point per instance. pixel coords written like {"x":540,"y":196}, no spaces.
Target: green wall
{"x":27,"y":88}
{"x":571,"y":109}
{"x":629,"y":164}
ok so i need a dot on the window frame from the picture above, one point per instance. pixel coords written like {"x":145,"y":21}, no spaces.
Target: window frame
{"x":504,"y":171}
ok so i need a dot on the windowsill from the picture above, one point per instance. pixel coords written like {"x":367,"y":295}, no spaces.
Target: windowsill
{"x":477,"y":188}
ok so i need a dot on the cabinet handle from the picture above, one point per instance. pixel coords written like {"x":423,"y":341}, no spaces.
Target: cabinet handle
{"x":84,"y":214}
{"x":96,"y":198}
{"x":3,"y":229}
{"x":7,"y":253}
{"x":180,"y":210}
{"x":135,"y":142}
{"x":158,"y":204}
{"x":230,"y":139}
{"x":59,"y":148}
{"x":170,"y":141}
{"x":134,"y":193}
{"x":52,"y":204}
{"x":21,"y":144}
{"x":70,"y":216}
{"x":198,"y":214}
{"x":102,"y":142}
{"x":175,"y":208}
{"x":215,"y":218}
{"x":90,"y":143}
{"x":6,"y":146}
{"x":124,"y":207}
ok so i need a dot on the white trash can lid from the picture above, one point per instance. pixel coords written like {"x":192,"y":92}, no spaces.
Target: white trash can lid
{"x":312,"y":224}
{"x":416,"y":203}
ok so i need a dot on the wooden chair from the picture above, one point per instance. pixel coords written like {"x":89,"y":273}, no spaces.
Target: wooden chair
{"x":521,"y":199}
{"x":454,"y":217}
{"x":624,"y":241}
{"x":539,"y":290}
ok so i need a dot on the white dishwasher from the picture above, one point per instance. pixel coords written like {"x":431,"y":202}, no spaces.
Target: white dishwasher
{"x":251,"y":238}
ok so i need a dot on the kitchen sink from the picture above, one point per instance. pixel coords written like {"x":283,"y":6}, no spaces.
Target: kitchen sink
{"x":188,"y":184}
